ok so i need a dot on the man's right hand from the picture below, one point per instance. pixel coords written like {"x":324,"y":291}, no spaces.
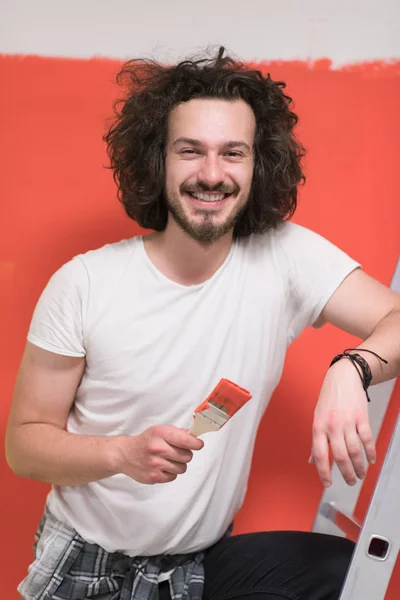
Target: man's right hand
{"x":158,"y":455}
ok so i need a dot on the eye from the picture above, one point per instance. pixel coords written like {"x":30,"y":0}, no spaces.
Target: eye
{"x":189,"y":151}
{"x":234,"y":154}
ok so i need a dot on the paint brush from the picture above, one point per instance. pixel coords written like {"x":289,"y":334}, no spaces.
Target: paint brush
{"x":223,"y":402}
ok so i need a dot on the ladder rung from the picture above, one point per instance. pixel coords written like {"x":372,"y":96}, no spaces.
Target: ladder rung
{"x":346,"y":522}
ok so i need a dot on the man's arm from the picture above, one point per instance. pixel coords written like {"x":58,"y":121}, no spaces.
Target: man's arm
{"x":37,"y":444}
{"x":366,"y":308}
{"x":39,"y":447}
{"x":363,"y":307}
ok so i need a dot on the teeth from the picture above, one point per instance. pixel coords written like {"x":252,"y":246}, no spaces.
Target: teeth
{"x":208,"y":197}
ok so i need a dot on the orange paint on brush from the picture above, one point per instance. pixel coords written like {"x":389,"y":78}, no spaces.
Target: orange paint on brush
{"x":227,"y":396}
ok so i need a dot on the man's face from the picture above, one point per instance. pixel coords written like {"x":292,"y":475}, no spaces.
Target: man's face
{"x":209,"y":165}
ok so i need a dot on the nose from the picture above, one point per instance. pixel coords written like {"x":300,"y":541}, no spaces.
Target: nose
{"x":211,"y":171}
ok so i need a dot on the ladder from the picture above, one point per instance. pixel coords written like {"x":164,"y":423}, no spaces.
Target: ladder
{"x":378,"y":536}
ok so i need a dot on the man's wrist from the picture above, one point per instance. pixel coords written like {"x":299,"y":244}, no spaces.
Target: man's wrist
{"x":343,"y":366}
{"x":114,"y":454}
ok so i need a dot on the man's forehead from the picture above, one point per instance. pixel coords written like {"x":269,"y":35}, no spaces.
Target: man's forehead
{"x":202,"y":118}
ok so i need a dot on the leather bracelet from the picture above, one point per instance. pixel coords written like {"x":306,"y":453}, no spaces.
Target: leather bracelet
{"x":360,"y":364}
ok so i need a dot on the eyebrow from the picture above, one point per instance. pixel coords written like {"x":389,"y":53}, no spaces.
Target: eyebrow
{"x":199,"y":144}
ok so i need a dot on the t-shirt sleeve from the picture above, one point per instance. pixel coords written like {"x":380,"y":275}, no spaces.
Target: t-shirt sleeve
{"x":315,"y":269}
{"x":58,"y":320}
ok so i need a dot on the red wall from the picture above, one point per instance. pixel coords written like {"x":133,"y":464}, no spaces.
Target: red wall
{"x":57,"y":200}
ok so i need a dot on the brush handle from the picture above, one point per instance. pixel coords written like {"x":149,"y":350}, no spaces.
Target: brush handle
{"x":202,"y":425}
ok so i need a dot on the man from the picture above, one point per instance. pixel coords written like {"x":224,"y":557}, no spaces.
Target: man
{"x":128,"y":339}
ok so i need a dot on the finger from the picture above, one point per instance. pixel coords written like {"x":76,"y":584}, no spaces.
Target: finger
{"x":320,"y":457}
{"x":311,"y":460}
{"x":173,"y":453}
{"x":355,"y":452}
{"x":366,"y":437}
{"x":173,"y":467}
{"x":162,"y":477}
{"x":182,"y":439}
{"x":342,"y":458}
{"x":168,"y":477}
{"x":180,"y":454}
{"x":166,"y":471}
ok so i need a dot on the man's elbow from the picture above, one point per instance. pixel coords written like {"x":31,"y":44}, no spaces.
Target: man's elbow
{"x":15,"y":458}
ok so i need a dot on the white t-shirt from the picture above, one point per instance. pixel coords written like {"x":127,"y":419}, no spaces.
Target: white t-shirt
{"x":155,"y":349}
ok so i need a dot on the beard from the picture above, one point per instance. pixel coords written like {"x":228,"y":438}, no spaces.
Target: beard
{"x":206,"y":230}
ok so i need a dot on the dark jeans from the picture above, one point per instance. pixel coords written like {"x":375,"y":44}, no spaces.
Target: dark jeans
{"x":276,"y":565}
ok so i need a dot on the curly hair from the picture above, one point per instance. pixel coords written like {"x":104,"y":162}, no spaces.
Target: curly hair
{"x":136,"y":140}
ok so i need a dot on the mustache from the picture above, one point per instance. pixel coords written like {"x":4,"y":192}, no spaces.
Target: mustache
{"x":200,"y":186}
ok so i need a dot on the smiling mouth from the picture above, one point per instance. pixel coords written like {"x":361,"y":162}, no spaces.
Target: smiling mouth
{"x":208,"y":196}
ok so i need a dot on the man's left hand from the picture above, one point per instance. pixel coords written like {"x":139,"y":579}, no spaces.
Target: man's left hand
{"x":341,"y":420}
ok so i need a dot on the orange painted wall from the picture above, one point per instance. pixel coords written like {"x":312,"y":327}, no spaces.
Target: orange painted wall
{"x":57,"y":200}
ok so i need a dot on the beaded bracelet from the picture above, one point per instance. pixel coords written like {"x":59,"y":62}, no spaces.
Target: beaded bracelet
{"x":364,"y":370}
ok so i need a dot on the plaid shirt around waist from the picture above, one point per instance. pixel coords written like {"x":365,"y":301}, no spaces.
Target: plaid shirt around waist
{"x":68,"y":568}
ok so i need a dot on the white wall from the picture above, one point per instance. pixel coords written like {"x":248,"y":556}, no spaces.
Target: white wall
{"x":343,"y":30}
